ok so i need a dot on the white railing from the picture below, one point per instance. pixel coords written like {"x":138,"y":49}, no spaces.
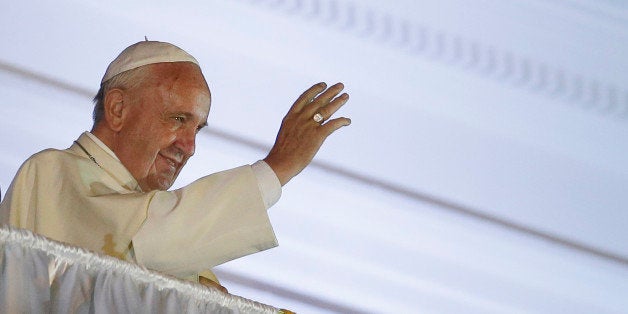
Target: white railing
{"x":39,"y":275}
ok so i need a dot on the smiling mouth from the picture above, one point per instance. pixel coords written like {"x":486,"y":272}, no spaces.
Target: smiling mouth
{"x":172,"y":162}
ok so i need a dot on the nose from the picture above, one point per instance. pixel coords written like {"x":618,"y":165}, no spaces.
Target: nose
{"x":186,"y":142}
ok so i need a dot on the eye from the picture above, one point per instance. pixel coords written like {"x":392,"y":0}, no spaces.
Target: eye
{"x":179,"y":119}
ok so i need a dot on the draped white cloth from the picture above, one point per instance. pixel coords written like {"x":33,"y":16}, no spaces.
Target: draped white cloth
{"x":38,"y":275}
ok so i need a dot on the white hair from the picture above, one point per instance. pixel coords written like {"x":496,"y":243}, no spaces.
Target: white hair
{"x":126,"y":80}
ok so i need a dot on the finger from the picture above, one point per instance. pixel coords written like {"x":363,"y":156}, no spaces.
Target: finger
{"x":324,"y":98}
{"x":329,"y":110}
{"x":332,"y":125}
{"x":308,"y":95}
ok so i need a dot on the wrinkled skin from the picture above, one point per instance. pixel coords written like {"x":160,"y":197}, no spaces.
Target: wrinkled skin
{"x":300,"y":137}
{"x":152,"y":128}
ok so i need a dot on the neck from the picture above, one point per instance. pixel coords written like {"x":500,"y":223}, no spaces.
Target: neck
{"x":108,"y":137}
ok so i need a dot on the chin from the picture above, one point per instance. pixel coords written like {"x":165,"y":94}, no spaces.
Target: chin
{"x":164,"y":180}
{"x":165,"y":185}
{"x":161,"y":184}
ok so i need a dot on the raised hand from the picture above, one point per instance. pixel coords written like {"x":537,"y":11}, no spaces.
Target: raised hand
{"x":304,"y":129}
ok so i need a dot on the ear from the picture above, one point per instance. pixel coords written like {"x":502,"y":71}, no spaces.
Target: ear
{"x":115,"y":111}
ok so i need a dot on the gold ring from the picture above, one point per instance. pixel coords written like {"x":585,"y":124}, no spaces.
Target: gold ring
{"x":318,"y":117}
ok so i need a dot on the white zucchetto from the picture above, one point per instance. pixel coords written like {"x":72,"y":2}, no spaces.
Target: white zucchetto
{"x":144,"y":53}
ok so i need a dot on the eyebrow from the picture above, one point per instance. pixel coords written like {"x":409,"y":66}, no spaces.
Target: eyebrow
{"x":189,"y":115}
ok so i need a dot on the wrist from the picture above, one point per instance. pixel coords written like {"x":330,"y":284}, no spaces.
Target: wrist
{"x":280,"y":171}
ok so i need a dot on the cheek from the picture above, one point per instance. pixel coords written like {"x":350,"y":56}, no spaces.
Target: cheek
{"x":156,"y":137}
{"x":143,"y":148}
{"x":159,"y":142}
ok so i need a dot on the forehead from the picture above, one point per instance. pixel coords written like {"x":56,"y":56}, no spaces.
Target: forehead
{"x":180,"y":85}
{"x":172,"y":75}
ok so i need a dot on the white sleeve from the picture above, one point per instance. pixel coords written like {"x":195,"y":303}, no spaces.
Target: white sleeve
{"x":210,"y":221}
{"x":269,"y":184}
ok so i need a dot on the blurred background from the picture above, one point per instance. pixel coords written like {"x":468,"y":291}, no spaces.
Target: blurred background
{"x":486,"y":169}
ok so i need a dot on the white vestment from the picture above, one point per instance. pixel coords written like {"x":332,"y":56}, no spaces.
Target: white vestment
{"x":98,"y":205}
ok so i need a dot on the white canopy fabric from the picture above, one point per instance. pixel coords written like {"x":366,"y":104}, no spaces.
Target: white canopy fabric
{"x":484,"y":171}
{"x":43,"y":276}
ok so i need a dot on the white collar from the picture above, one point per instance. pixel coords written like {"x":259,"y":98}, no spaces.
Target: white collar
{"x":102,"y":145}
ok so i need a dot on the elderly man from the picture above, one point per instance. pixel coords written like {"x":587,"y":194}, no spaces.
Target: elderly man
{"x":108,"y":191}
